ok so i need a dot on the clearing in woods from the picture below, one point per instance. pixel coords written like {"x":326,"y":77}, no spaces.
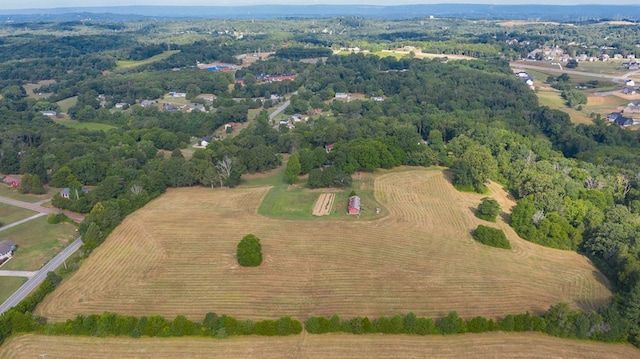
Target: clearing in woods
{"x":177,"y":256}
{"x":324,"y":204}
{"x":337,"y":346}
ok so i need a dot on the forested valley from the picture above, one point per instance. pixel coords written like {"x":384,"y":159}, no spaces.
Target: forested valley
{"x":577,"y":186}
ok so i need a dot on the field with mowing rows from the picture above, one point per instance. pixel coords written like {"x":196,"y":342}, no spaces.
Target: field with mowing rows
{"x":177,"y":256}
{"x":336,"y":346}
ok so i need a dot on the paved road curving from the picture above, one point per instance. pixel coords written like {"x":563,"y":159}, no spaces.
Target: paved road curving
{"x":39,"y":276}
{"x":279,"y":109}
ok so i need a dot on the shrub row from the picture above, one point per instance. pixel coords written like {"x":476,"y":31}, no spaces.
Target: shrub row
{"x":606,"y":324}
{"x":19,"y":318}
{"x":109,"y":324}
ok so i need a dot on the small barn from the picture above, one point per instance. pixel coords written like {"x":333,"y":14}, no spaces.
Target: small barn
{"x":6,"y":249}
{"x":354,"y":205}
{"x":12,"y":181}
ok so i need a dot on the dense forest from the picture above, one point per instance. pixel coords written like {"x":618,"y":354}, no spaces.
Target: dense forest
{"x":577,"y":186}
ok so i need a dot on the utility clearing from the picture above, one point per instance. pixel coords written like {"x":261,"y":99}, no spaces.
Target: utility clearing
{"x":177,"y":255}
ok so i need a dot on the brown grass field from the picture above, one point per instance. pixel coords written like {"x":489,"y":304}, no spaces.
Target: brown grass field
{"x":335,"y":346}
{"x":177,"y":256}
{"x":324,"y":204}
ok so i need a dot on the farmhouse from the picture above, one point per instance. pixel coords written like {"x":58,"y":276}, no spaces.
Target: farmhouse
{"x":629,"y":83}
{"x":147,"y":103}
{"x":328,"y":148}
{"x":66,"y":192}
{"x":12,"y":181}
{"x":7,"y":247}
{"x":341,"y":96}
{"x":628,"y":91}
{"x":632,"y":107}
{"x":177,"y":94}
{"x":623,"y":121}
{"x":354,"y":205}
{"x":613,"y":116}
{"x":205,"y":141}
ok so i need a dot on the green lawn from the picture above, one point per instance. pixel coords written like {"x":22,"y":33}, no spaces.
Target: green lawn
{"x":38,"y":242}
{"x":125,"y":64}
{"x":84,"y":125}
{"x":296,"y":202}
{"x":10,"y":214}
{"x":67,"y":103}
{"x":8,"y":285}
{"x":552,"y":99}
{"x":7,"y":191}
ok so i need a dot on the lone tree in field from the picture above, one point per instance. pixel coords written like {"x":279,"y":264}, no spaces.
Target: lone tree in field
{"x":249,"y":252}
{"x":488,"y":209}
{"x":293,"y":168}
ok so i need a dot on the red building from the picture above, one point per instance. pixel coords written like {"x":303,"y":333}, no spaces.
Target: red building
{"x":12,"y":181}
{"x":354,"y":205}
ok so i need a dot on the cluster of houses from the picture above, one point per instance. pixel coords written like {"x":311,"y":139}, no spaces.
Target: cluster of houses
{"x":290,"y":122}
{"x":556,"y":53}
{"x":629,"y":87}
{"x":269,"y":78}
{"x":625,"y":117}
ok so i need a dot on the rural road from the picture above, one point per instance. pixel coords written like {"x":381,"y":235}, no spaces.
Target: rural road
{"x":36,"y":279}
{"x":572,"y":72}
{"x":38,"y":208}
{"x":279,"y":110}
{"x":22,"y":221}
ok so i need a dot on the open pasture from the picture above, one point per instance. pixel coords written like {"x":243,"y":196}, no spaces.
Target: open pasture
{"x":38,"y":242}
{"x":10,"y":214}
{"x":337,"y":346}
{"x":177,"y":256}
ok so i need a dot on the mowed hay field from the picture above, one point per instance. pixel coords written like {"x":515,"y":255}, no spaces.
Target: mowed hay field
{"x":335,"y":346}
{"x":177,"y":256}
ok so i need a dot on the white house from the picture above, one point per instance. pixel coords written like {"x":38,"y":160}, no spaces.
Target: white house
{"x":629,"y":83}
{"x":121,"y":105}
{"x":6,"y":249}
{"x":341,"y":95}
{"x":49,"y":113}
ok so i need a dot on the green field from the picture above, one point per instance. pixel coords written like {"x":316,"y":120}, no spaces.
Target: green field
{"x":67,"y":103}
{"x":285,"y":201}
{"x":10,"y":214}
{"x":84,"y":125}
{"x":125,"y":64}
{"x":38,"y":242}
{"x":552,"y":99}
{"x":8,"y":285}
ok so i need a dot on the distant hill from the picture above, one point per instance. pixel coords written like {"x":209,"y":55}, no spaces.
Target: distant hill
{"x":469,"y":11}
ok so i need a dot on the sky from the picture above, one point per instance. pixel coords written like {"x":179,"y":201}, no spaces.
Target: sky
{"x":31,"y":4}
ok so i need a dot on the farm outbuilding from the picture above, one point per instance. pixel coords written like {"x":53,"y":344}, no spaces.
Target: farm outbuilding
{"x":354,"y":205}
{"x":12,"y":181}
